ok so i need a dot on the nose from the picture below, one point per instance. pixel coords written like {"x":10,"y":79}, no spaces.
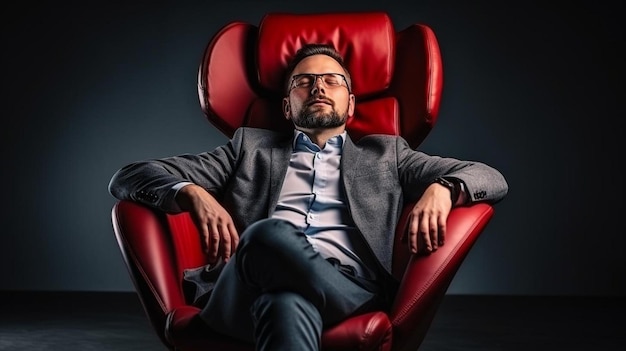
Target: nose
{"x":318,"y":86}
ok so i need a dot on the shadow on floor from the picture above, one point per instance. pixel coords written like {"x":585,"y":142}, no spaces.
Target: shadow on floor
{"x":111,"y":321}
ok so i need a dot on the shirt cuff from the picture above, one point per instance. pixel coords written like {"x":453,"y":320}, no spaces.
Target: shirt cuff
{"x":462,"y":195}
{"x":173,"y":204}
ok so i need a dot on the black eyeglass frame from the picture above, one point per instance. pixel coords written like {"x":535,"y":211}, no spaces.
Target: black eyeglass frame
{"x":317,"y":76}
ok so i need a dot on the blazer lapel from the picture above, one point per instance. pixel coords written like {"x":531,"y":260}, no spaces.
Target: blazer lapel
{"x":349,"y":156}
{"x":281,"y":156}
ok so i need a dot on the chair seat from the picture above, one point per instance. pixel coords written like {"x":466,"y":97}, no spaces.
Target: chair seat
{"x":370,"y":331}
{"x":398,"y":83}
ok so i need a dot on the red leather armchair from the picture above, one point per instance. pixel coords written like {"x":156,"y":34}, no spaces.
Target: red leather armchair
{"x":397,"y":80}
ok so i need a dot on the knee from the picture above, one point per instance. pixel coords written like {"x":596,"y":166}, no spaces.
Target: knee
{"x":265,"y":232}
{"x":267,"y":246}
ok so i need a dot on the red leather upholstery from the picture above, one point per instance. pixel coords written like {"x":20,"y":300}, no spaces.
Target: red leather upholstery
{"x":397,"y":80}
{"x":395,"y":74}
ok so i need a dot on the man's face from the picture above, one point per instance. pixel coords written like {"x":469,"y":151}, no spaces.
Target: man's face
{"x":319,"y":105}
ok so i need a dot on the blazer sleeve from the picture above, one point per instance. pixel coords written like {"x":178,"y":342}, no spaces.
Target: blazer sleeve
{"x":417,"y":170}
{"x":152,"y":182}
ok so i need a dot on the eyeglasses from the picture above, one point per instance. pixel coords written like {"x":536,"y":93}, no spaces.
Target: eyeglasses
{"x":307,"y":80}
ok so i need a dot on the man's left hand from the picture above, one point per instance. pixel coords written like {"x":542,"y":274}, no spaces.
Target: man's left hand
{"x":427,"y":220}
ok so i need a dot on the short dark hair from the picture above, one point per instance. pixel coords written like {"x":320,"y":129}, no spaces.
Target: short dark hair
{"x":316,"y":49}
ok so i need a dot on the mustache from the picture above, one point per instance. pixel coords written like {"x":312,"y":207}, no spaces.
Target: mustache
{"x":318,"y":99}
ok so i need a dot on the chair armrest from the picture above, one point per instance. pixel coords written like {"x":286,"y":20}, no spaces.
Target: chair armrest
{"x":427,"y":277}
{"x":370,"y":331}
{"x":145,"y":242}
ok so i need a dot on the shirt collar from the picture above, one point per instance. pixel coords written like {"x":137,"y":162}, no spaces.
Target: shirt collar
{"x":301,"y":140}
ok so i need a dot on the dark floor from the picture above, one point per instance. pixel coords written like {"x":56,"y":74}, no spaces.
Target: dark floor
{"x":116,"y":322}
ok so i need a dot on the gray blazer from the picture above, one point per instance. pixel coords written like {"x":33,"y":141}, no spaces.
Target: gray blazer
{"x":380,"y":174}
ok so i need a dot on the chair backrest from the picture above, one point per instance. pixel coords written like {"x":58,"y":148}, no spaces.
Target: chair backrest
{"x":397,"y":75}
{"x":397,"y":79}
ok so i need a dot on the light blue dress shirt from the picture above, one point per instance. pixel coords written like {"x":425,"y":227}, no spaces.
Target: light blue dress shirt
{"x":313,"y":199}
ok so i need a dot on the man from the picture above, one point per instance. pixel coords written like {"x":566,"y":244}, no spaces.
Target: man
{"x":317,"y":212}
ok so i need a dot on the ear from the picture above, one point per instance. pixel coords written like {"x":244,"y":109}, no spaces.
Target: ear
{"x":351,"y":104}
{"x":286,"y":108}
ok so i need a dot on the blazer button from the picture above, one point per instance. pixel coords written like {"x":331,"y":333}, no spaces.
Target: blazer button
{"x":480,"y":194}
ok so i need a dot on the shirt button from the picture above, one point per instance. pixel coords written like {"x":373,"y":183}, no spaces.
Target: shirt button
{"x":319,"y":156}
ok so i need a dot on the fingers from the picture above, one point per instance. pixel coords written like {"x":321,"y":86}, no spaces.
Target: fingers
{"x":441,"y":225}
{"x":217,"y":231}
{"x":234,"y":237}
{"x":212,"y":243}
{"x":420,"y":234}
{"x":220,"y":240}
{"x":426,"y":231}
{"x":413,"y":228}
{"x":230,"y":240}
{"x":224,"y":247}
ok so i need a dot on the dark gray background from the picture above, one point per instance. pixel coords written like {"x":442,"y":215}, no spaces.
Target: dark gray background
{"x":529,"y":89}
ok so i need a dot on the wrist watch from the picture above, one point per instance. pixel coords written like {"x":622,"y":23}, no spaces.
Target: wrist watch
{"x":454,"y":191}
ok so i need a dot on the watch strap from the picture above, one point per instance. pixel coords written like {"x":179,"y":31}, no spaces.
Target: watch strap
{"x":454,"y":190}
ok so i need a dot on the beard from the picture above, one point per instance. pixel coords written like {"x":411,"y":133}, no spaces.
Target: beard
{"x":316,"y":119}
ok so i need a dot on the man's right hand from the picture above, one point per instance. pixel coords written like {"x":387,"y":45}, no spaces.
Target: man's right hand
{"x":217,"y":230}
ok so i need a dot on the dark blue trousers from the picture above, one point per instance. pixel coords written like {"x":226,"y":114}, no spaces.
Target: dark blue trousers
{"x":277,"y":292}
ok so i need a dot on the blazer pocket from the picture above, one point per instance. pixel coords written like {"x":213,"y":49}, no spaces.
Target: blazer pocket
{"x":379,"y":169}
{"x":375,"y":179}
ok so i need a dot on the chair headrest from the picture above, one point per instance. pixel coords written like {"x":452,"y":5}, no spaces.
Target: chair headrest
{"x":355,"y":35}
{"x":396,"y":75}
